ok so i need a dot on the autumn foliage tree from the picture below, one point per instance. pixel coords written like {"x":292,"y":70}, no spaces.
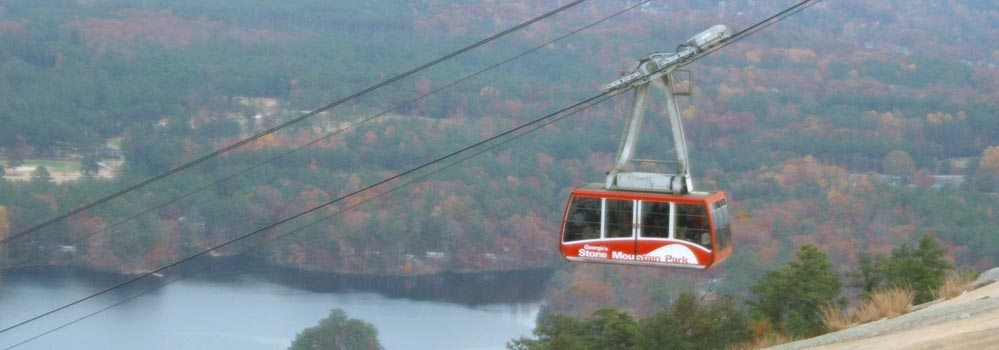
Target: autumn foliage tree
{"x":987,"y":175}
{"x":899,"y":163}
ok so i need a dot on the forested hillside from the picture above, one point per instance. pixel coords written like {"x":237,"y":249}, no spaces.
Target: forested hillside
{"x":831,"y":128}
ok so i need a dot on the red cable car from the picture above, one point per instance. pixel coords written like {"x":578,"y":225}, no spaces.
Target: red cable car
{"x":646,"y":228}
{"x":650,"y":218}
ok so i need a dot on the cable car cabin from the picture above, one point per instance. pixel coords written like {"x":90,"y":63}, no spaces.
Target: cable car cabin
{"x":646,"y":228}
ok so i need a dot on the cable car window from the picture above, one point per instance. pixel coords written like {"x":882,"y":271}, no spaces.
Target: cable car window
{"x":692,"y":224}
{"x":583,"y":220}
{"x":655,"y":219}
{"x":619,"y":218}
{"x":723,"y":226}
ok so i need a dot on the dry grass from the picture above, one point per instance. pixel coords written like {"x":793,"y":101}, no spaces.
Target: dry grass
{"x":766,"y":341}
{"x":887,"y":303}
{"x":956,"y":283}
{"x":836,"y":319}
{"x":764,"y":336}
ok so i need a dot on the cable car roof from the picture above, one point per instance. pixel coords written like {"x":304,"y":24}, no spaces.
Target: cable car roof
{"x":598,"y":190}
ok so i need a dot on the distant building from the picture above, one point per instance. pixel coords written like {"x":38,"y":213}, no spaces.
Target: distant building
{"x":939,"y":181}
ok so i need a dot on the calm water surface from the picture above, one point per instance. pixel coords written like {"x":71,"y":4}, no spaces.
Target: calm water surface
{"x":257,"y":312}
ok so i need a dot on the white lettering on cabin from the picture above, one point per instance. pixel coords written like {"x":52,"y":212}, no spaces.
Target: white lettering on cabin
{"x":677,"y":260}
{"x":622,"y":256}
{"x":669,"y":259}
{"x":584,"y":253}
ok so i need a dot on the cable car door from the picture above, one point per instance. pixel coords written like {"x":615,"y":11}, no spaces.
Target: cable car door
{"x":620,"y":230}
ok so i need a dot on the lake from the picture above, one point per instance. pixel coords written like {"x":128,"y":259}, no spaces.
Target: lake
{"x":266,"y":308}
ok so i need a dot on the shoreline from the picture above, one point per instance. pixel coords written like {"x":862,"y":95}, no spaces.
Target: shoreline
{"x":467,"y":288}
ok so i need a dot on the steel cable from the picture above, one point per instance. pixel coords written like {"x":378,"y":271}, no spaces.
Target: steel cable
{"x":589,"y":102}
{"x":286,"y":124}
{"x":83,"y":237}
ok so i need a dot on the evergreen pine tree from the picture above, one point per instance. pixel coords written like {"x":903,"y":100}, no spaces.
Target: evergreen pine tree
{"x":791,"y":298}
{"x":338,"y":332}
{"x":923,"y":269}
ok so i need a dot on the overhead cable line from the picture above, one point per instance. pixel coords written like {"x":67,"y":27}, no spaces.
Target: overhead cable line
{"x":35,"y":257}
{"x":288,"y":123}
{"x":189,"y":258}
{"x":780,"y":16}
{"x":525,"y":128}
{"x":599,"y":97}
{"x":303,"y":213}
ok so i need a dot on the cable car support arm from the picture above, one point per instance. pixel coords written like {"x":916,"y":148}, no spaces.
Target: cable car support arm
{"x":659,"y":66}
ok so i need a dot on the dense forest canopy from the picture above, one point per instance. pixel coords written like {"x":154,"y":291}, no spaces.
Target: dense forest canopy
{"x":832,"y":128}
